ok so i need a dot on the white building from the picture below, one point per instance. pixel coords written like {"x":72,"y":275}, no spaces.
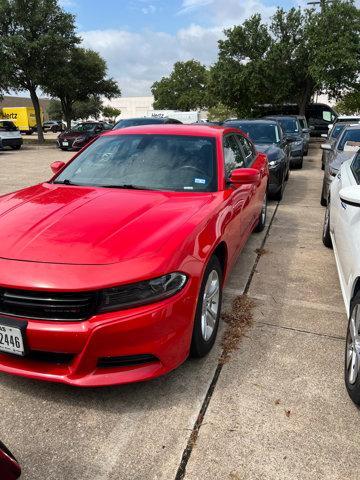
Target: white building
{"x":131,"y":106}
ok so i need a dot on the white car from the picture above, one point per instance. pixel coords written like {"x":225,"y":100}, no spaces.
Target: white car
{"x":10,"y":135}
{"x":342,"y":233}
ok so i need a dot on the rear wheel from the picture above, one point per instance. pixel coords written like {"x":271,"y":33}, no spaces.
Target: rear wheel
{"x":208,"y":309}
{"x":326,"y":237}
{"x":262,"y":217}
{"x":352,"y":351}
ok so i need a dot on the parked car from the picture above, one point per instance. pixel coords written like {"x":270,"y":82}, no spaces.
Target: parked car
{"x":344,"y":119}
{"x":269,"y":138}
{"x":305,"y":132}
{"x":81,"y":134}
{"x":10,"y":135}
{"x":294,"y":135}
{"x":133,"y":122}
{"x":112,"y":271}
{"x":344,"y":148}
{"x":341,"y":231}
{"x":331,"y":139}
{"x":107,"y":125}
{"x":53,"y":126}
{"x":9,"y":466}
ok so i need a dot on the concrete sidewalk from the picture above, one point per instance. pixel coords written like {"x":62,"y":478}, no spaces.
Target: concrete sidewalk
{"x":280,"y":409}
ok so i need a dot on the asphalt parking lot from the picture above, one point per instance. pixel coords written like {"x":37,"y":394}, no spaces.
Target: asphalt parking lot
{"x":277,"y":409}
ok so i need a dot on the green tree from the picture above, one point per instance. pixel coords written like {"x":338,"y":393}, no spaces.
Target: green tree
{"x":35,"y":36}
{"x":110,"y":113}
{"x":82,"y":79}
{"x":184,"y":89}
{"x":54,"y":110}
{"x":298,"y":54}
{"x":220,"y":112}
{"x":349,"y":103}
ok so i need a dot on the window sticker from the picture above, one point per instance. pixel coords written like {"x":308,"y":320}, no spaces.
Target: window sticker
{"x":202,"y":181}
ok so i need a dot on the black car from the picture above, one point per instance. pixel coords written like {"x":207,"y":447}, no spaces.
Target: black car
{"x":134,"y":122}
{"x":294,"y":135}
{"x":269,"y":138}
{"x":80,"y":135}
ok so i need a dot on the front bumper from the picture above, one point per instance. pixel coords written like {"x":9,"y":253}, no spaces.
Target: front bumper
{"x":85,"y":353}
{"x":276,"y":177}
{"x":12,"y":142}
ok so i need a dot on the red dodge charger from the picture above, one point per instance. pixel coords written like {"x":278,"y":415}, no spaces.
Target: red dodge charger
{"x":112,"y":271}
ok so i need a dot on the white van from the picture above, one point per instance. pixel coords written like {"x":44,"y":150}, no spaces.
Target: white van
{"x":10,"y":135}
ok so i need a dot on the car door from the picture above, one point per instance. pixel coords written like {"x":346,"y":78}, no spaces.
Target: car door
{"x":238,"y":196}
{"x":344,"y":216}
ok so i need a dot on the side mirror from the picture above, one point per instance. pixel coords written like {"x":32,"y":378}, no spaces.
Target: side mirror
{"x":241,"y":176}
{"x":350,"y":195}
{"x":57,"y":166}
{"x":326,"y":146}
{"x":306,"y":130}
{"x":330,"y":126}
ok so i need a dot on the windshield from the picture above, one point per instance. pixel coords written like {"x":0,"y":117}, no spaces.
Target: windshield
{"x":338,"y":128}
{"x":133,"y":122}
{"x":352,"y":136}
{"x":84,"y":127}
{"x":290,"y":125}
{"x":154,"y":162}
{"x":260,"y":133}
{"x":7,"y":126}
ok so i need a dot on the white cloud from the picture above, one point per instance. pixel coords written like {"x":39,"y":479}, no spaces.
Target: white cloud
{"x":136,"y":60}
{"x":149,"y":9}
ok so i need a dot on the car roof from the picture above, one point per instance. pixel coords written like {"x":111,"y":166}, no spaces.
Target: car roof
{"x":250,"y":120}
{"x":352,"y":126}
{"x":276,"y":117}
{"x":175,"y":129}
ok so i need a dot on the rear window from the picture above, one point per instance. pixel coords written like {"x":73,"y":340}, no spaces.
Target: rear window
{"x":7,"y":126}
{"x":289,"y":125}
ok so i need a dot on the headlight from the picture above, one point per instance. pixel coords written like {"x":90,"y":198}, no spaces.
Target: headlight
{"x":274,"y":163}
{"x":141,"y":293}
{"x":298,"y":143}
{"x":79,"y":139}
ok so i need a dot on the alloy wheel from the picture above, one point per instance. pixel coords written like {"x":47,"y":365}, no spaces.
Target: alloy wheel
{"x":353,"y":346}
{"x":210,"y":305}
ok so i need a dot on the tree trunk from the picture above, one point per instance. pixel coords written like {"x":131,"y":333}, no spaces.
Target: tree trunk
{"x":67,"y":111}
{"x":36,"y":104}
{"x":306,"y":96}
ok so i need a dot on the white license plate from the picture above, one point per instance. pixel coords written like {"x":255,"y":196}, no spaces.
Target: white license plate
{"x":11,"y":340}
{"x":65,"y":144}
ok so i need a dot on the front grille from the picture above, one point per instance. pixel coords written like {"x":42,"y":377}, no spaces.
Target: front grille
{"x":126,"y":361}
{"x":48,"y":305}
{"x":50,"y":357}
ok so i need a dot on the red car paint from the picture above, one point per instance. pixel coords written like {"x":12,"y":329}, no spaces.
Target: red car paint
{"x":63,"y":238}
{"x":9,"y":467}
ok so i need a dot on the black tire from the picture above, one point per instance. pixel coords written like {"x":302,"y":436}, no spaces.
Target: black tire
{"x":326,"y":238}
{"x":352,"y":387}
{"x":322,"y":166}
{"x":16,"y":147}
{"x":306,"y":152}
{"x":299,"y":163}
{"x":199,"y":346}
{"x":323,"y":199}
{"x":262,"y":217}
{"x":279,"y":194}
{"x":287,"y":175}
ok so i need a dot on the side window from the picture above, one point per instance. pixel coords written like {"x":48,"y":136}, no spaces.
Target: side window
{"x":355,"y":167}
{"x":247,"y":148}
{"x":233,"y":155}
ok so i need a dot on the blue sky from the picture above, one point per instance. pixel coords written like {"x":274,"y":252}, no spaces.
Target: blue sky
{"x":141,"y":39}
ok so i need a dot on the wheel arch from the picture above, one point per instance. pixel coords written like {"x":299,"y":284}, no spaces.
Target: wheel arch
{"x":221,"y":252}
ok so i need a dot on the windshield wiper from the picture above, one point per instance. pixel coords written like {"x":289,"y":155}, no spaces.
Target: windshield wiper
{"x":128,"y":187}
{"x":66,"y":182}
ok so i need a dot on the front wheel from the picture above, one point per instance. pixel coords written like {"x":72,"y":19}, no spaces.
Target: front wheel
{"x":352,"y":352}
{"x":208,"y":309}
{"x":326,"y":237}
{"x":262,"y":217}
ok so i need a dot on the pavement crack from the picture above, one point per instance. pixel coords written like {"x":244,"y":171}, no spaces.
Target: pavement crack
{"x":180,"y":474}
{"x":283,"y":327}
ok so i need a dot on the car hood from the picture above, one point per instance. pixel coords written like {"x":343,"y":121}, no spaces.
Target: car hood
{"x":271,"y":150}
{"x":339,"y":158}
{"x":90,"y":226}
{"x":71,"y":135}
